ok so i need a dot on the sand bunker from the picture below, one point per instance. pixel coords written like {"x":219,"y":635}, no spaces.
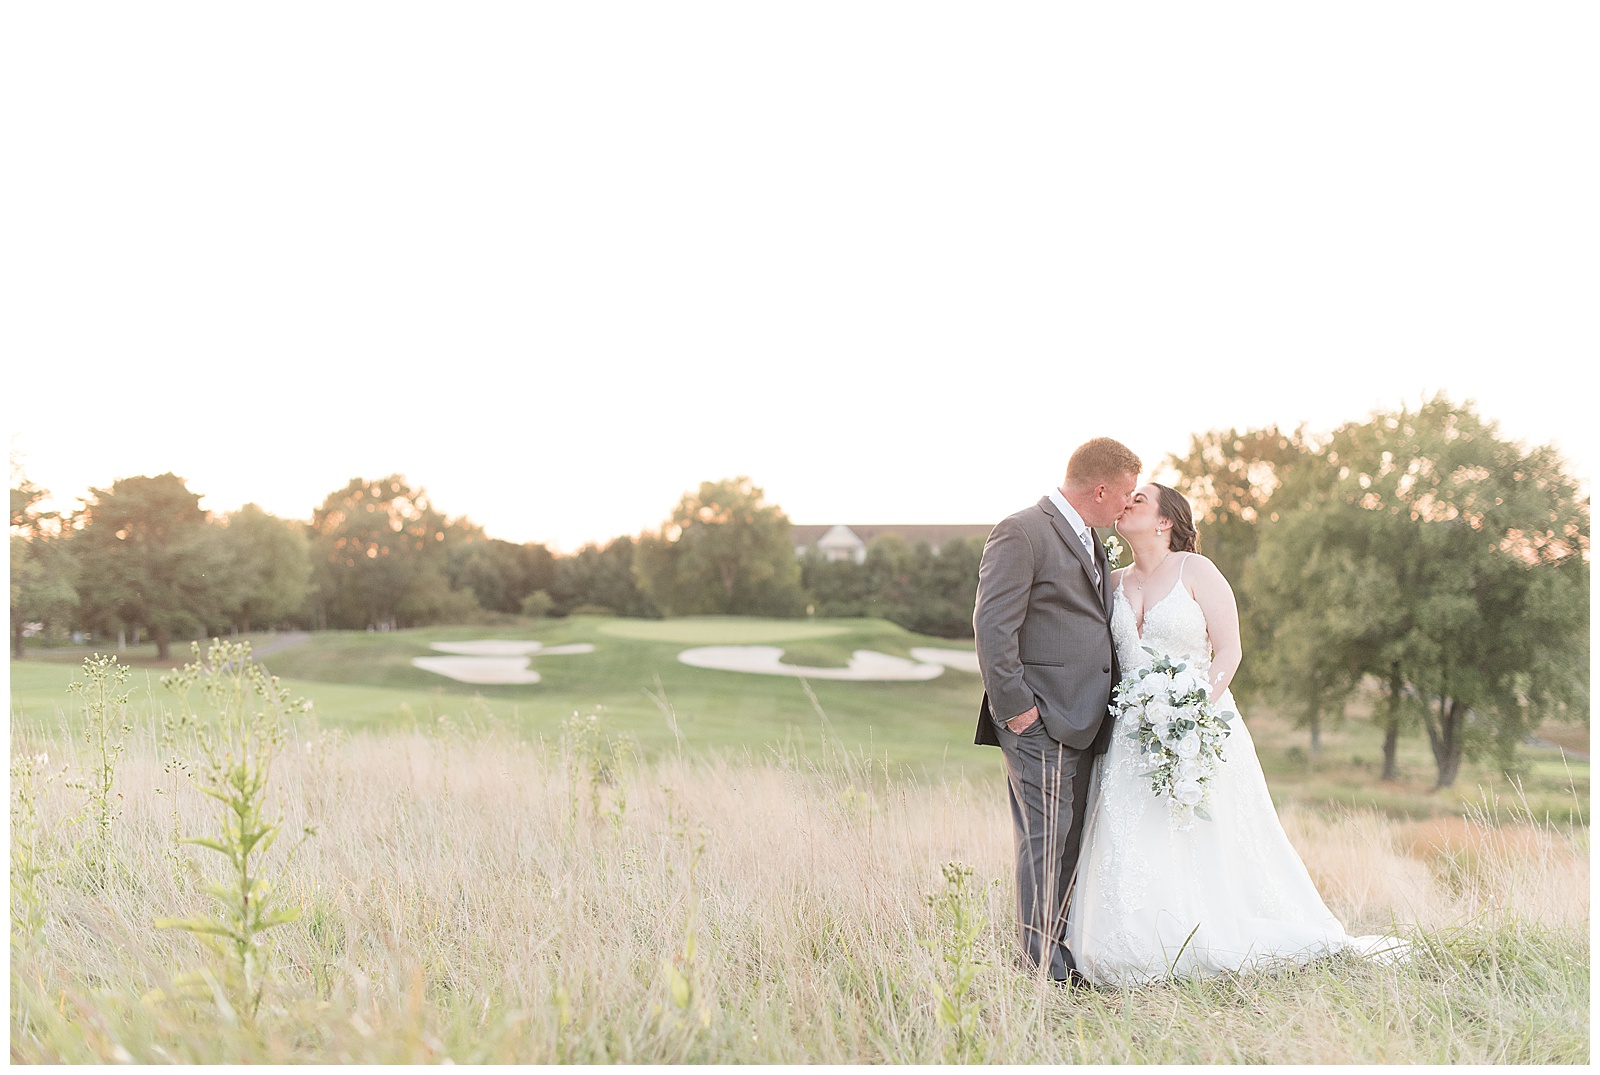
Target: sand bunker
{"x":480,"y":669}
{"x":764,"y":660}
{"x":493,"y":660}
{"x":960,"y":659}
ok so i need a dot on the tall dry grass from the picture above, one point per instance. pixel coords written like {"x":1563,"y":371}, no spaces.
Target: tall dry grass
{"x":472,"y":896}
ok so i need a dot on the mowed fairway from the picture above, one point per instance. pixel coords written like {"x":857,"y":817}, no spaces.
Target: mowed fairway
{"x":360,"y":680}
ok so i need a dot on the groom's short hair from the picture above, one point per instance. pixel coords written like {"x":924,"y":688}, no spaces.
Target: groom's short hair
{"x":1101,"y":460}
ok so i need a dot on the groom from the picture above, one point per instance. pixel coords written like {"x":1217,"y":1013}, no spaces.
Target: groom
{"x":1043,"y":627}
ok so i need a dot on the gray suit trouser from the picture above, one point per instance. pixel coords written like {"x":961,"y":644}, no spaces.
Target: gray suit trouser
{"x":1049,"y":793}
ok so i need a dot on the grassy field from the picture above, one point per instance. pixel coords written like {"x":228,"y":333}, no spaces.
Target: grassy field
{"x":367,"y":681}
{"x":473,"y":895}
{"x":361,"y":681}
{"x":549,"y":873}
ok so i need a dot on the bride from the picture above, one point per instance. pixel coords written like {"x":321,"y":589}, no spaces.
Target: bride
{"x":1230,"y":893}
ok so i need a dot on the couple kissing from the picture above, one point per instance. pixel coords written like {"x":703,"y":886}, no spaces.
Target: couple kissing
{"x":1147,"y":845}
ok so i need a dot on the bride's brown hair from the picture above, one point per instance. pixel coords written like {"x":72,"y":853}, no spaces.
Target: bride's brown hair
{"x":1174,"y":507}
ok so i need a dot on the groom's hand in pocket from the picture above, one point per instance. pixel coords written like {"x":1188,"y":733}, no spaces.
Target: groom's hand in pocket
{"x":1023,"y":721}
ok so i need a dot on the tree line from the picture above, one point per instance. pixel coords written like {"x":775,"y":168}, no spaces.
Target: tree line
{"x":1418,"y":550}
{"x":142,"y":559}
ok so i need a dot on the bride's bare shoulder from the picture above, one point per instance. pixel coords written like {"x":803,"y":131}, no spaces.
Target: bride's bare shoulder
{"x":1199,"y":568}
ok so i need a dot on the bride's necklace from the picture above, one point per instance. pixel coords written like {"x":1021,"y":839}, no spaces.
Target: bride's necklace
{"x":1138,"y":585}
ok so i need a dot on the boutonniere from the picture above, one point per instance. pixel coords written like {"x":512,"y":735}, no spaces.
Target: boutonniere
{"x":1113,"y":549}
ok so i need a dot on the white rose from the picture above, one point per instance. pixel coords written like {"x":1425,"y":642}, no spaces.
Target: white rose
{"x":1157,"y":683}
{"x":1160,"y":713}
{"x":1190,"y":769}
{"x":1188,"y":746}
{"x":1189,"y":681}
{"x":1186,"y":792}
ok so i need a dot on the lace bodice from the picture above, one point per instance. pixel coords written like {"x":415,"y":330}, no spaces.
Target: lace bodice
{"x":1174,"y":626}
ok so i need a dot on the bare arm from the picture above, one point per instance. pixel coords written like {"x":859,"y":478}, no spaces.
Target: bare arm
{"x":1215,"y":598}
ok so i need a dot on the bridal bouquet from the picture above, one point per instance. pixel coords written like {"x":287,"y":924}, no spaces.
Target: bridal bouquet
{"x":1179,"y":731}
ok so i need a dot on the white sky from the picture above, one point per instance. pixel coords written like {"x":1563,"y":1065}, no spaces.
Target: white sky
{"x":559,"y":263}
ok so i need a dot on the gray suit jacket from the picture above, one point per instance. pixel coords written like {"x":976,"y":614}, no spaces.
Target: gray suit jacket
{"x":1044,"y":630}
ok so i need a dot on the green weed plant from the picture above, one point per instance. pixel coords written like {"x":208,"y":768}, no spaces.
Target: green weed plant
{"x":958,"y":913}
{"x":29,"y":861}
{"x":239,"y":724}
{"x":106,"y":728}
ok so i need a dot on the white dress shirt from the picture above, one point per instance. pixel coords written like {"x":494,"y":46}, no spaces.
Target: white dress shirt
{"x":1072,"y":516}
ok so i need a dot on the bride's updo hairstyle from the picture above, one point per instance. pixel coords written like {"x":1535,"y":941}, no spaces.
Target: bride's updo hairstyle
{"x":1174,"y":507}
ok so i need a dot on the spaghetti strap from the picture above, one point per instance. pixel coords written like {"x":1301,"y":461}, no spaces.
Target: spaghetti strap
{"x":1181,"y":564}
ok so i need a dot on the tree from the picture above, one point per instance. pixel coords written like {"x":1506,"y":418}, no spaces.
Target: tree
{"x":1419,"y":548}
{"x":834,"y":587}
{"x":145,"y":559}
{"x":267,"y":568}
{"x":1328,"y":599}
{"x":724,"y":550}
{"x":1239,"y":482}
{"x":918,"y":587}
{"x":1498,"y":630}
{"x":1452,"y":565}
{"x":601,"y":577}
{"x":499,"y":574}
{"x":950,"y":588}
{"x":935,"y":592}
{"x":379,"y":550}
{"x":42,"y":567}
{"x":878,"y":586}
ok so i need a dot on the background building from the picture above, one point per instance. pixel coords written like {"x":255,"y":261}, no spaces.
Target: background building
{"x":849,"y":542}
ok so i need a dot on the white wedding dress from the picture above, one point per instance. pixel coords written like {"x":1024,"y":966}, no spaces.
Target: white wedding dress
{"x":1230,"y":894}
